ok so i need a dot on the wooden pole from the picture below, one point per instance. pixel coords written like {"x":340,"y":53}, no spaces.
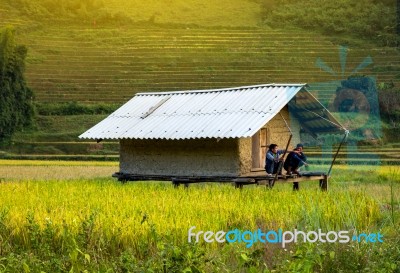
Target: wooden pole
{"x":337,"y":152}
{"x":287,"y":147}
{"x":281,"y":164}
{"x":323,"y":183}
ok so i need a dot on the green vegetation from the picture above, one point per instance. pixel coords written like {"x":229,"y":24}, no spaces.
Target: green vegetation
{"x":366,"y":18}
{"x":116,"y":12}
{"x":58,"y":225}
{"x":55,"y":137}
{"x":87,"y":57}
{"x":71,"y":10}
{"x":16,"y":109}
{"x":389,"y":103}
{"x":110,"y":65}
{"x":74,"y":108}
{"x":77,"y":60}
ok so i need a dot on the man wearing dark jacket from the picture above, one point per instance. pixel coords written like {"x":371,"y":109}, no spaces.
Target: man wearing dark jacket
{"x":294,"y":160}
{"x":273,"y":159}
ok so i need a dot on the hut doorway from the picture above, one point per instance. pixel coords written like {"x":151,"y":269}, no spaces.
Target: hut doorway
{"x":259,"y":148}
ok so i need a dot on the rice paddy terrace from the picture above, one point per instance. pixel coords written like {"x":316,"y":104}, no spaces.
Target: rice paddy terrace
{"x":183,"y":45}
{"x":91,"y":64}
{"x":111,"y":65}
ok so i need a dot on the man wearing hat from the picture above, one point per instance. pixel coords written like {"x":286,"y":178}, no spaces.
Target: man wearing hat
{"x":294,"y":161}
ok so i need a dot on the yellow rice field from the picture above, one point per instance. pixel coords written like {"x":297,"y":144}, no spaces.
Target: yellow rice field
{"x":76,"y":207}
{"x":127,"y":211}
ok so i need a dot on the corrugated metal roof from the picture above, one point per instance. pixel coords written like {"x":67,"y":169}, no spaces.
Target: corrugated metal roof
{"x":218,"y":113}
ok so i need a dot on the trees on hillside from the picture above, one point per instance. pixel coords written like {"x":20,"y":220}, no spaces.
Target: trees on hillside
{"x":366,"y":19}
{"x":389,"y":102}
{"x":16,"y":107}
{"x":82,"y":11}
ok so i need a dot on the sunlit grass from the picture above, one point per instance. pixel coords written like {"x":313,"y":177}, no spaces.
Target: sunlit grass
{"x":11,"y":170}
{"x":128,"y":212}
{"x":6,"y":162}
{"x":52,"y":209}
{"x":206,"y":13}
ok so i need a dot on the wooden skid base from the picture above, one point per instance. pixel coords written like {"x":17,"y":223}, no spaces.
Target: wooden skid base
{"x":237,"y":181}
{"x":269,"y":181}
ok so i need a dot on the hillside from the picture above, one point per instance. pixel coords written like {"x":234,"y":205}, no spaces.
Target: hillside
{"x":110,"y":65}
{"x":228,"y":13}
{"x":106,"y":52}
{"x":179,"y":45}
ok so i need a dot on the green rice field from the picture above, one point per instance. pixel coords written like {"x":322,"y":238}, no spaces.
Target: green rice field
{"x":60,"y":209}
{"x":59,"y":216}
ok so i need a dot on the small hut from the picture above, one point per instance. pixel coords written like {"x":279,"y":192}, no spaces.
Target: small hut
{"x":213,"y":135}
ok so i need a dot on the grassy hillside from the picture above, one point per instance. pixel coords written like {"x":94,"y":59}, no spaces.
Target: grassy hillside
{"x":96,"y":51}
{"x":232,"y":13}
{"x":369,"y":20}
{"x":110,"y":65}
{"x":105,"y":51}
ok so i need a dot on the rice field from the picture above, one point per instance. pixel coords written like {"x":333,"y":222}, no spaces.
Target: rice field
{"x":59,"y":216}
{"x":73,"y":63}
{"x":55,"y":170}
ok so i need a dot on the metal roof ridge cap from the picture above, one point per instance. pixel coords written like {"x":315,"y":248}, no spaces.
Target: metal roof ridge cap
{"x":220,"y":89}
{"x":190,"y":114}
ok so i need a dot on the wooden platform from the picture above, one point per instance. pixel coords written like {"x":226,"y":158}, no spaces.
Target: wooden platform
{"x":260,"y":178}
{"x":257,"y":178}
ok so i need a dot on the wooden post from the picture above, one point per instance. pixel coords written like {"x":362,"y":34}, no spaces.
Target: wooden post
{"x":323,"y":183}
{"x":280,"y":166}
{"x":337,"y":152}
{"x":238,"y":185}
{"x":175,"y":183}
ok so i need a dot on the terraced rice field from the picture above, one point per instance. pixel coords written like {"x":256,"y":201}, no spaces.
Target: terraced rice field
{"x":353,"y":155}
{"x":111,"y":65}
{"x":91,"y":64}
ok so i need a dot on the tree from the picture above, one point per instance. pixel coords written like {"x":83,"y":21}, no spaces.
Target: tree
{"x":398,"y":17}
{"x":389,"y":102}
{"x":16,"y":106}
